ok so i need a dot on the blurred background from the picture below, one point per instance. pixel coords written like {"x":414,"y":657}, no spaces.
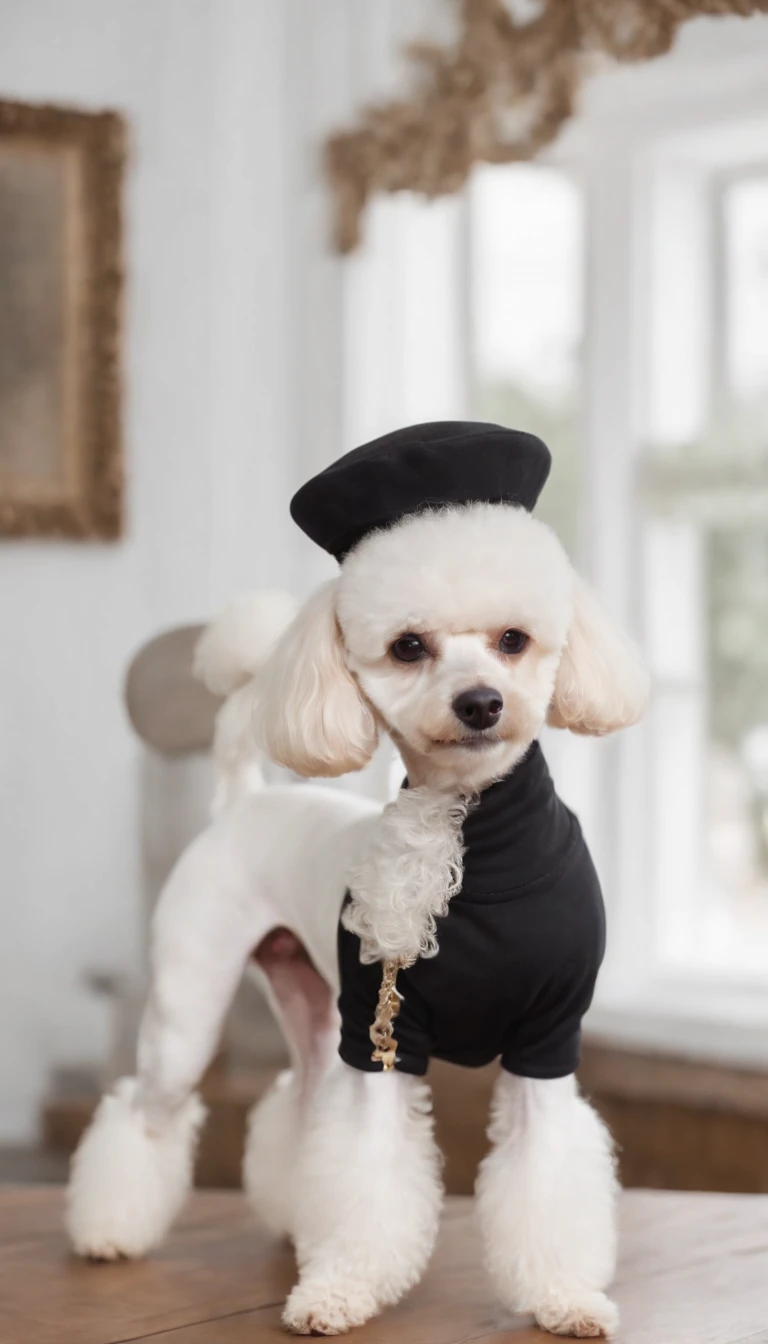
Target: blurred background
{"x":611,"y":295}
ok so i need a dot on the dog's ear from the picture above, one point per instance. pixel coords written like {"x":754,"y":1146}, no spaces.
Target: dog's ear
{"x":601,"y":683}
{"x":310,"y":715}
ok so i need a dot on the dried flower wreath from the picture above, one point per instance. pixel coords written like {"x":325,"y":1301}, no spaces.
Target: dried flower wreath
{"x":498,"y":95}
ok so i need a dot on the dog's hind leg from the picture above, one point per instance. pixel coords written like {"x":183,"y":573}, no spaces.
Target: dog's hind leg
{"x":305,"y":1006}
{"x":133,"y":1167}
{"x":546,"y":1201}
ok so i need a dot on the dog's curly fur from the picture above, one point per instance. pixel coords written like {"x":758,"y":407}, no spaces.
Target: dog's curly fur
{"x":406,"y":877}
{"x":345,"y":1162}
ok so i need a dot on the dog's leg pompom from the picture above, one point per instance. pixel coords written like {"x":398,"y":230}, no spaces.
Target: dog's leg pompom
{"x":366,"y":1222}
{"x":546,"y":1202}
{"x":271,"y":1151}
{"x":128,"y":1181}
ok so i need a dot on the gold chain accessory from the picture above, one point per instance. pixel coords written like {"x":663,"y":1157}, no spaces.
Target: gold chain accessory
{"x":387,"y":1008}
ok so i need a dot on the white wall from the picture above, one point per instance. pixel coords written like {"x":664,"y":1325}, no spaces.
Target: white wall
{"x":210,"y":464}
{"x":234,"y":363}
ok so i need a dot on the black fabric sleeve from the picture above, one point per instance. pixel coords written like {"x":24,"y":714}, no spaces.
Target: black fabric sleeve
{"x":556,"y":1057}
{"x":547,"y":1042}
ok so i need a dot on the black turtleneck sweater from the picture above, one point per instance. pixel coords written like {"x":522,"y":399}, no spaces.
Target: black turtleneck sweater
{"x":519,"y":949}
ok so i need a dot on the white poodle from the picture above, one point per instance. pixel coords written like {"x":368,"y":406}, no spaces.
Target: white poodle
{"x":458,"y":632}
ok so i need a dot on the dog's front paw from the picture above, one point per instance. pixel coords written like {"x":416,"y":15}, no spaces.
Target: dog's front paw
{"x":586,"y":1317}
{"x":324,"y":1307}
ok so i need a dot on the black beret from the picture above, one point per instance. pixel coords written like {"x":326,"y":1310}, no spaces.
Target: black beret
{"x":422,"y":467}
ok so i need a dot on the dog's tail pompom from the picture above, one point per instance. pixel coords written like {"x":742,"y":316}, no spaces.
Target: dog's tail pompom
{"x":233,"y":648}
{"x":127,"y":1182}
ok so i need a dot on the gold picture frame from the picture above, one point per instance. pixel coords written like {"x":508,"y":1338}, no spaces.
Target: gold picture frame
{"x":61,"y":282}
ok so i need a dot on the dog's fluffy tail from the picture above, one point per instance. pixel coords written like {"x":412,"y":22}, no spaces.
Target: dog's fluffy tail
{"x":228,"y":658}
{"x":234,"y":646}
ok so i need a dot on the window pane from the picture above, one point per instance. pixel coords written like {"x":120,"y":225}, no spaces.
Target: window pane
{"x":745,"y":218}
{"x":737,"y":835}
{"x":527,"y":316}
{"x":706,"y":574}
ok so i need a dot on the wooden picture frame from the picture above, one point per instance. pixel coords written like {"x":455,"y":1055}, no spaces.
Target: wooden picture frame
{"x":61,"y":280}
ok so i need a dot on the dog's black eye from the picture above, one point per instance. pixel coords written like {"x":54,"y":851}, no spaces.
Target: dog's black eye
{"x":408,"y":649}
{"x":513,"y":641}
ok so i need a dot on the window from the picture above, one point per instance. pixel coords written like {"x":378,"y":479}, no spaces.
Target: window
{"x":676,"y":475}
{"x":527,"y":319}
{"x":705,"y":538}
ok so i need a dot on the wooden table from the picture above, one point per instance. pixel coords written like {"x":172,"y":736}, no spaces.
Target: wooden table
{"x":694,"y":1270}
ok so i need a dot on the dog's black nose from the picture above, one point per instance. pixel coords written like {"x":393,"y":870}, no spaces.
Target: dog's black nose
{"x":479,"y":708}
